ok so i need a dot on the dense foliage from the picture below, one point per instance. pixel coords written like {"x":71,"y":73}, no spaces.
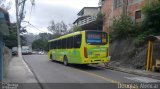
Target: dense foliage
{"x":151,"y":23}
{"x":122,"y":27}
{"x":58,"y":29}
{"x":11,"y":39}
{"x":41,"y":43}
{"x":76,"y":28}
{"x":99,"y":21}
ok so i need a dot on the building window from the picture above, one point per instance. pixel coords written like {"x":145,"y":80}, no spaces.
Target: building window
{"x":131,"y":2}
{"x":138,"y":14}
{"x":117,"y":3}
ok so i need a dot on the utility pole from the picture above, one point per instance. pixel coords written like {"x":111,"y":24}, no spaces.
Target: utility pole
{"x":18,"y":29}
{"x":19,"y":15}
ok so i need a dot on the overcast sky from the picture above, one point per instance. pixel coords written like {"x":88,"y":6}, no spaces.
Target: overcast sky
{"x":47,"y":10}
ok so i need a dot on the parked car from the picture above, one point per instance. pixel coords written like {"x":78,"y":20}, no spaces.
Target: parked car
{"x":14,"y":51}
{"x":34,"y":52}
{"x":26,"y":50}
{"x":41,"y":53}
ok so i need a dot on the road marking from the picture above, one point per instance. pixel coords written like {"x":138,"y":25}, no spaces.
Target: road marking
{"x":104,"y":78}
{"x":143,"y":79}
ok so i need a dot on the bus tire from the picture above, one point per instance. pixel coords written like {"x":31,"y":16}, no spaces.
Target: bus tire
{"x":65,"y":61}
{"x":51,"y":58}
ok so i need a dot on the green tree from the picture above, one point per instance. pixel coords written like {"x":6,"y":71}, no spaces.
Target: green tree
{"x":76,"y":28}
{"x":151,"y":22}
{"x":41,"y":43}
{"x":122,"y":27}
{"x":99,"y":21}
{"x":11,"y":39}
{"x":57,"y":29}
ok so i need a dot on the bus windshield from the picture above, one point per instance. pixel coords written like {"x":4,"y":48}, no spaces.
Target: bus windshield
{"x":96,"y":38}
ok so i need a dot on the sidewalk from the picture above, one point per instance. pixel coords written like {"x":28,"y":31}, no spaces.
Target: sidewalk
{"x":144,"y":73}
{"x":19,"y":72}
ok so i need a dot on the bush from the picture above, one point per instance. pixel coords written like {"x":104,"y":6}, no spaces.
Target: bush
{"x":152,"y":18}
{"x":99,"y":21}
{"x":123,"y":27}
{"x":139,"y":41}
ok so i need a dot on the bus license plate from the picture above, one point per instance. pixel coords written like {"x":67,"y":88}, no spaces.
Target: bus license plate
{"x":97,"y":54}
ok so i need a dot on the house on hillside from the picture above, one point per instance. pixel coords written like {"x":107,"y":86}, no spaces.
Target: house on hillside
{"x":87,"y":18}
{"x":4,"y":30}
{"x":114,"y":8}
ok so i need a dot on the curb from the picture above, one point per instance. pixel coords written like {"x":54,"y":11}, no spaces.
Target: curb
{"x":31,"y":70}
{"x":129,"y":72}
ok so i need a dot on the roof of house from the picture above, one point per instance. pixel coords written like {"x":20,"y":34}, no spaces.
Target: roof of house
{"x":153,"y":38}
{"x":79,"y":13}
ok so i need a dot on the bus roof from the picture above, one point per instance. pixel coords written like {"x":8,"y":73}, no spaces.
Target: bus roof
{"x":67,"y":35}
{"x":71,"y":34}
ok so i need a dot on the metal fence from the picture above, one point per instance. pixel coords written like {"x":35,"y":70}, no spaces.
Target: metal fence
{"x":87,"y":20}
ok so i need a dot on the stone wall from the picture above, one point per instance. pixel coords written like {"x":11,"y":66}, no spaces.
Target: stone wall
{"x":7,"y":55}
{"x":125,"y":54}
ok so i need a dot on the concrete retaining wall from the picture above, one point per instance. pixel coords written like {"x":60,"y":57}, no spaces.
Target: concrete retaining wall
{"x":7,"y":55}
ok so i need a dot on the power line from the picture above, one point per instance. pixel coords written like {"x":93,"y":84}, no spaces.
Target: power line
{"x":37,"y":28}
{"x":34,"y":26}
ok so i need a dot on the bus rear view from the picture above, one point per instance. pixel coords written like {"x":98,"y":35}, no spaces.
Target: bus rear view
{"x":96,"y":47}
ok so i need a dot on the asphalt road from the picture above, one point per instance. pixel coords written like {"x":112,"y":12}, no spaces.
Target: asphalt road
{"x":51,"y":73}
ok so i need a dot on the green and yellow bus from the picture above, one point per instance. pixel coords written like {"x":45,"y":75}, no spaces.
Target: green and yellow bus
{"x":84,"y":47}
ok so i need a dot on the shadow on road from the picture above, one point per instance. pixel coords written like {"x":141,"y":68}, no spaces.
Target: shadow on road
{"x":85,"y":67}
{"x":80,"y":66}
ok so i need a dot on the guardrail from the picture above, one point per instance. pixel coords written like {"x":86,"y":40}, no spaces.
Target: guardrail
{"x":87,"y":20}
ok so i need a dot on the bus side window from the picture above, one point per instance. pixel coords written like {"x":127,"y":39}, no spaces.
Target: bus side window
{"x":48,"y":46}
{"x":77,"y":41}
{"x":63,"y":43}
{"x":70,"y":42}
{"x":59,"y":44}
{"x":52,"y":45}
{"x":56,"y":44}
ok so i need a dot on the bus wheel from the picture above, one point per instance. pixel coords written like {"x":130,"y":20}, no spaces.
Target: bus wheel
{"x":65,"y":61}
{"x":51,"y":58}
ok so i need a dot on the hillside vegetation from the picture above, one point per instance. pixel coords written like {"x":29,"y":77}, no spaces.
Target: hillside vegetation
{"x":129,"y":46}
